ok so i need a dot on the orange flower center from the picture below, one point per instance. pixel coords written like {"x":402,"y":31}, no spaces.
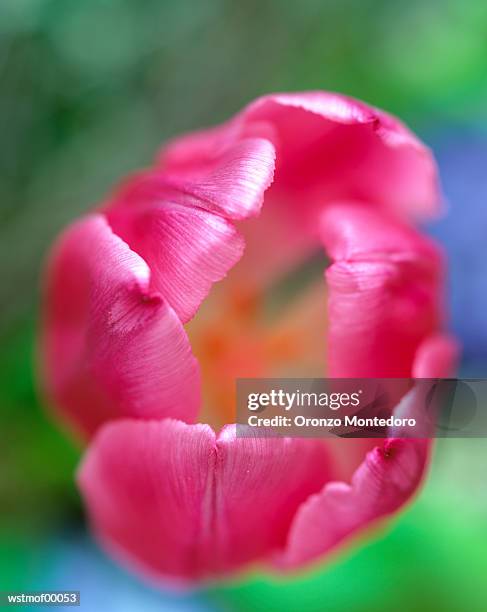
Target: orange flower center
{"x":246,"y":331}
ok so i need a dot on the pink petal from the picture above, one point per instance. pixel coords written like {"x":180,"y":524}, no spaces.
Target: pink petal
{"x":437,"y":357}
{"x":384,"y":482}
{"x":175,"y":501}
{"x":145,"y":484}
{"x":180,"y":224}
{"x":384,"y":292}
{"x":110,"y":346}
{"x":329,"y":147}
{"x":260,"y":484}
{"x":187,"y":250}
{"x":230,"y":181}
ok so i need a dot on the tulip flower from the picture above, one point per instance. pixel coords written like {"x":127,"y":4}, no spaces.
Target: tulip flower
{"x":137,"y":344}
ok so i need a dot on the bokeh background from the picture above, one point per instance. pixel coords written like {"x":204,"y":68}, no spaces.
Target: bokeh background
{"x":89,"y":89}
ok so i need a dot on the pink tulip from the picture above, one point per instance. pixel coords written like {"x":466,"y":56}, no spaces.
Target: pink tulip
{"x":176,"y":499}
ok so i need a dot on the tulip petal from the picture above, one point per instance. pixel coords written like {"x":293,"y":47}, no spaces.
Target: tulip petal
{"x":329,"y":147}
{"x":110,"y":346}
{"x":231,"y":181}
{"x":384,"y":292}
{"x":187,"y":250}
{"x":437,"y":357}
{"x":260,"y":484}
{"x":175,"y":500}
{"x":145,"y":484}
{"x":386,"y":480}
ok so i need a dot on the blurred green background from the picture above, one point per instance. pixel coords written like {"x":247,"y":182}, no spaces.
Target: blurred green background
{"x":89,"y":90}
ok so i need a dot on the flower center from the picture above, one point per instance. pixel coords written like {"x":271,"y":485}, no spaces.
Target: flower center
{"x":244,"y":330}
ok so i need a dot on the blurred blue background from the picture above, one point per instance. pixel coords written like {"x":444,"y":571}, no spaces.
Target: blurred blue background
{"x":89,"y":90}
